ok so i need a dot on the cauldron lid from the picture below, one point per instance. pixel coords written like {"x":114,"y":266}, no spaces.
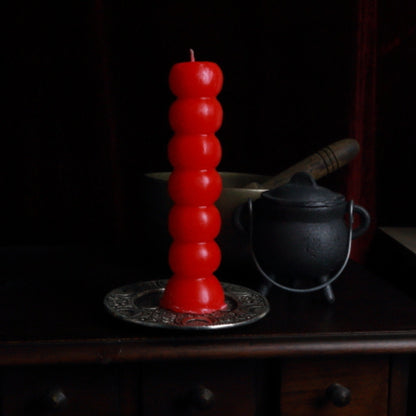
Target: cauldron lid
{"x":302,"y":190}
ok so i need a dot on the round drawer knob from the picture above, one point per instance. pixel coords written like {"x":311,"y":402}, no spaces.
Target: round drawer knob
{"x":55,"y":399}
{"x":201,"y":397}
{"x":338,"y":395}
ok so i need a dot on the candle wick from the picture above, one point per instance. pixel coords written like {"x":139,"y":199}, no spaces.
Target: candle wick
{"x":191,"y":51}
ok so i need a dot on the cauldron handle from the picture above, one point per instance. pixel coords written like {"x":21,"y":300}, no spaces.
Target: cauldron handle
{"x":310,"y":289}
{"x":365,"y":221}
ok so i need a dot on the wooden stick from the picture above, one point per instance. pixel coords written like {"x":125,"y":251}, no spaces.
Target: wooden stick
{"x":319,"y":164}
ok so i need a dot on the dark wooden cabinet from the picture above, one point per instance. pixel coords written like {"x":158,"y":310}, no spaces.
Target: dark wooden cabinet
{"x":87,"y":103}
{"x":286,"y":387}
{"x":363,"y":385}
{"x":61,"y":352}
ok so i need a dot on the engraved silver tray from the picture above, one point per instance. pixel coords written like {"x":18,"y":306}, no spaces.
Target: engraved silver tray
{"x":139,"y":303}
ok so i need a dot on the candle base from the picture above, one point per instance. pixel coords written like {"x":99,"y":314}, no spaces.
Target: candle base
{"x":196,"y":296}
{"x":139,"y":303}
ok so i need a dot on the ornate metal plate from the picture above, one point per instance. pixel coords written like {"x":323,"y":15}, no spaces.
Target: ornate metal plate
{"x":139,"y":303}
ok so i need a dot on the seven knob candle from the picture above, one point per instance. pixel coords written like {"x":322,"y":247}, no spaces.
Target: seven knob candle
{"x":194,"y":185}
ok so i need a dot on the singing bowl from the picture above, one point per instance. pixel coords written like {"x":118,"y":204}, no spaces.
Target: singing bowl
{"x":234,"y":244}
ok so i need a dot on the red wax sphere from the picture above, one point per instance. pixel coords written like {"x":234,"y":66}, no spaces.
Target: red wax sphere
{"x":194,"y":187}
{"x":196,"y":296}
{"x":195,"y":115}
{"x":189,"y":223}
{"x":195,"y":79}
{"x":194,"y":151}
{"x":194,"y":259}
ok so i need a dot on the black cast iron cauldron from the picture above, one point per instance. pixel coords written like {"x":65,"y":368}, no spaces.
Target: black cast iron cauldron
{"x":301,"y":234}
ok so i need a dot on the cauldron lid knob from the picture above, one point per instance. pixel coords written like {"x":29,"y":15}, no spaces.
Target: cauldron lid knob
{"x":302,"y":190}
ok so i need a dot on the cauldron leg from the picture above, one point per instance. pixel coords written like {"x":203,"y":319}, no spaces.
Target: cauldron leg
{"x":265,"y":286}
{"x":328,"y":292}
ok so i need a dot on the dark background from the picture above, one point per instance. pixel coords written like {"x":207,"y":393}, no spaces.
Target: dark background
{"x":86,"y":102}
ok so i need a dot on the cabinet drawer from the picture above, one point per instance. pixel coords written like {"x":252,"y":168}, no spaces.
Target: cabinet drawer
{"x":208,"y":388}
{"x":60,"y":390}
{"x":305,"y":383}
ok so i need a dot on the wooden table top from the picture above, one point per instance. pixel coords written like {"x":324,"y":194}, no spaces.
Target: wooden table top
{"x":54,"y":312}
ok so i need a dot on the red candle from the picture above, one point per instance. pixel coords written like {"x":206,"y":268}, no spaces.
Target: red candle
{"x":194,"y":185}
